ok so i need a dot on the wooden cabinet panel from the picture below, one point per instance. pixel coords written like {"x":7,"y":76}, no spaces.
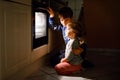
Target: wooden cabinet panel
{"x":15,"y":22}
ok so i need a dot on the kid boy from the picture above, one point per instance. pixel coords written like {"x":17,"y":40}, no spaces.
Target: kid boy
{"x":65,"y":15}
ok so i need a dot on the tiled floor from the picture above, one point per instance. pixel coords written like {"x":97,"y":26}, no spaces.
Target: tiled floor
{"x":107,"y":67}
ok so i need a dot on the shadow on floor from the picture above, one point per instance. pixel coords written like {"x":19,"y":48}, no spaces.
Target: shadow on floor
{"x":106,"y":67}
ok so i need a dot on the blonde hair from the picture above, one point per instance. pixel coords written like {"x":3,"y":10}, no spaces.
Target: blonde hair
{"x":74,"y":27}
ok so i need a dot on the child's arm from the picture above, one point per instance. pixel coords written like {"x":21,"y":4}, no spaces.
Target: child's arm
{"x":63,"y":60}
{"x":82,"y":40}
{"x":78,"y":50}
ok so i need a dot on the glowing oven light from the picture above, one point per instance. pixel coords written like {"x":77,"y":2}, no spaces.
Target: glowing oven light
{"x":40,"y":24}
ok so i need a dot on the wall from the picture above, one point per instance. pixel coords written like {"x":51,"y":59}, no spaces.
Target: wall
{"x":102,"y":23}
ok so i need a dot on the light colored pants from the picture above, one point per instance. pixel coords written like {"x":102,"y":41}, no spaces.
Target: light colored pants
{"x":65,"y":68}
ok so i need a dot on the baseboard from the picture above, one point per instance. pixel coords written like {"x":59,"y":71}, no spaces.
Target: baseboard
{"x":104,"y":51}
{"x":101,"y":49}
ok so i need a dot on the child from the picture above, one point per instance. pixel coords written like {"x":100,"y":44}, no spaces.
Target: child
{"x":72,"y":61}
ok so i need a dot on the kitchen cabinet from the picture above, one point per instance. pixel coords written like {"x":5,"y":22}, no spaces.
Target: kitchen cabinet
{"x":15,"y":37}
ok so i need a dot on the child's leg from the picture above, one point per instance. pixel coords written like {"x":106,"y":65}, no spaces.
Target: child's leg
{"x":66,"y":68}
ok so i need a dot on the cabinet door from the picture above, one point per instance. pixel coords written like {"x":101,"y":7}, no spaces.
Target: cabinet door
{"x":16,"y":36}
